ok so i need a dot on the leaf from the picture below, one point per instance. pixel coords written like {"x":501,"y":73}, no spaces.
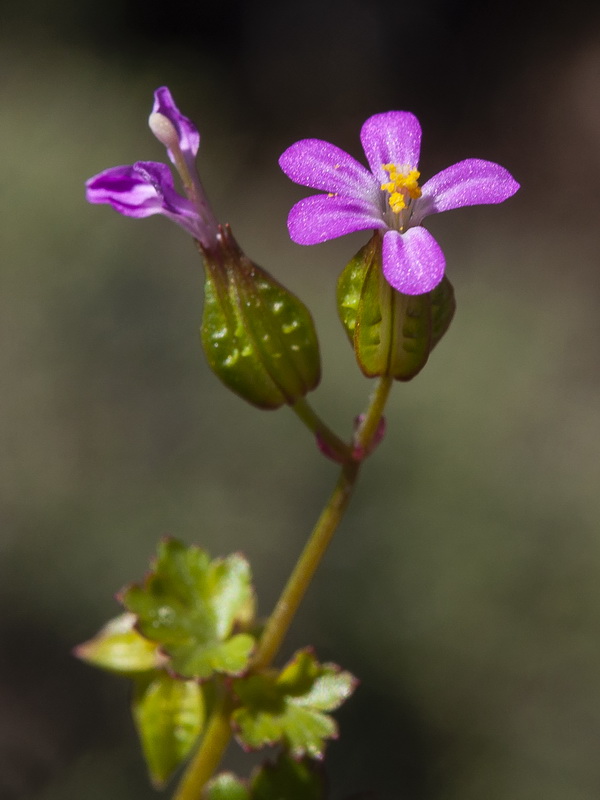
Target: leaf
{"x":226,"y":787}
{"x":169,"y":716}
{"x":288,"y":778}
{"x":118,"y":647}
{"x":190,"y":604}
{"x":288,"y":706}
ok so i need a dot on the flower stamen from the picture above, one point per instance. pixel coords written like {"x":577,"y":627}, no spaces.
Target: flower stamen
{"x":401,"y":187}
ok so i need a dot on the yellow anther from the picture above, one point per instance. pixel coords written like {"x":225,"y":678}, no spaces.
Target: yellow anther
{"x":397,"y":202}
{"x":400,"y":186}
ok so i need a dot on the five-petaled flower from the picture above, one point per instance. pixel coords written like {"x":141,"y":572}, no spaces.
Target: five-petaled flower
{"x":388,"y":197}
{"x":147,"y":187}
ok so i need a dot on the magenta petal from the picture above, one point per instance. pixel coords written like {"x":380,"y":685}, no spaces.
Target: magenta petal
{"x":320,"y":165}
{"x":126,"y":190}
{"x":469,"y":183}
{"x":144,"y":189}
{"x":320,"y":217}
{"x":189,"y":138}
{"x":159,"y":177}
{"x":391,"y":138}
{"x":413,"y":262}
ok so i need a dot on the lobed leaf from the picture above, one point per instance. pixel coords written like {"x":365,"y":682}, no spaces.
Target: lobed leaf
{"x":190,"y":605}
{"x":289,"y":706}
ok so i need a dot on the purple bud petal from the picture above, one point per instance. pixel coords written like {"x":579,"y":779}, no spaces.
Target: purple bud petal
{"x":126,"y":190}
{"x":413,"y":262}
{"x":144,"y":189}
{"x":189,"y":138}
{"x":391,"y":138}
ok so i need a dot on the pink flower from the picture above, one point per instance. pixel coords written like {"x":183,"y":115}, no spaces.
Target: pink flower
{"x":147,"y":187}
{"x":388,"y":197}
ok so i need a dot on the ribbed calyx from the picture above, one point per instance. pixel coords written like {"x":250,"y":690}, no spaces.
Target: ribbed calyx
{"x":392,"y":333}
{"x":258,"y":337}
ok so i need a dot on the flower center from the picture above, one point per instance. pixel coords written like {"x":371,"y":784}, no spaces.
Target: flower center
{"x":402,"y":186}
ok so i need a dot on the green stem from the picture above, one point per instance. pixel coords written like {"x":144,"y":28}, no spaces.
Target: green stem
{"x":208,"y":756}
{"x":279,"y":622}
{"x":218,"y":733}
{"x":314,"y":423}
{"x":367,"y":429}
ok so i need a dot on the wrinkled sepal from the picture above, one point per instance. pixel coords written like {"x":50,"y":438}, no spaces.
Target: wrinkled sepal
{"x":392,"y":333}
{"x":259,"y":339}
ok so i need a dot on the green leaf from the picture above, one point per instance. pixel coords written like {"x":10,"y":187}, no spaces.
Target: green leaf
{"x":226,"y":787}
{"x":118,"y":647}
{"x":169,"y":716}
{"x":190,"y":605}
{"x":288,"y":778}
{"x":288,"y":706}
{"x":392,"y":333}
{"x":258,"y":337}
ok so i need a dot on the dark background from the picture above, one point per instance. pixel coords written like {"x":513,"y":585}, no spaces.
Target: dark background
{"x":464,"y":586}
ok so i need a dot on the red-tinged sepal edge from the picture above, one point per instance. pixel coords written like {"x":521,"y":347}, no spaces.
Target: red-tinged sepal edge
{"x":193,"y":607}
{"x":258,"y":337}
{"x":290,"y":706}
{"x":392,"y":334}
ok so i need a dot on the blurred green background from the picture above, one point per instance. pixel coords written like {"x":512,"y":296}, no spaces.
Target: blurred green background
{"x":464,"y":586}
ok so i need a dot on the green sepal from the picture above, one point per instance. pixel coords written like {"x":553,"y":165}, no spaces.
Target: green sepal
{"x":191,"y":605}
{"x":392,"y":333}
{"x":169,"y":716}
{"x":258,"y":337}
{"x":289,"y":706}
{"x":119,"y":648}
